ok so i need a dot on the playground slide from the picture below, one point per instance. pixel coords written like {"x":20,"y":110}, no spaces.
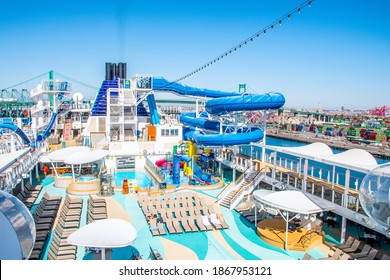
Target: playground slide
{"x":17,"y":130}
{"x":42,"y":136}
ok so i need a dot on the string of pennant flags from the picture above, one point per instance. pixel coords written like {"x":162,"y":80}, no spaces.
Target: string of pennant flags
{"x":250,"y":39}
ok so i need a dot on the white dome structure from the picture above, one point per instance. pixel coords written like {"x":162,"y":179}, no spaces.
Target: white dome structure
{"x":374,"y":194}
{"x":17,"y":229}
{"x":78,"y":97}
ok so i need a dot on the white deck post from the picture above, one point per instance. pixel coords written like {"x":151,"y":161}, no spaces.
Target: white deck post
{"x":265,"y":136}
{"x":286,"y":241}
{"x":305,"y":170}
{"x":345,"y":204}
{"x":30,"y":177}
{"x":333,"y":175}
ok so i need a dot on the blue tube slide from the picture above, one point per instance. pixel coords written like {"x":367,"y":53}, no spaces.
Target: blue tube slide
{"x":162,"y":84}
{"x":176,"y":170}
{"x":153,"y":109}
{"x":224,"y":139}
{"x":245,"y":102}
{"x":42,"y":136}
{"x":223,"y":102}
{"x":17,"y":130}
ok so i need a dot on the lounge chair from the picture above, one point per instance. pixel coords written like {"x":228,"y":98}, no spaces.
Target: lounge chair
{"x":370,"y":256}
{"x":191,"y":225}
{"x":307,"y":257}
{"x":185,"y":225}
{"x":347,"y":244}
{"x":336,"y":255}
{"x":353,"y":248}
{"x":366,"y":249}
{"x":385,"y":257}
{"x":169,"y":225}
{"x":222,"y":221}
{"x":344,"y":257}
{"x":161,"y":229}
{"x":153,"y":227}
{"x":200,"y":224}
{"x":215,"y":221}
{"x":206,"y":222}
{"x":176,"y":225}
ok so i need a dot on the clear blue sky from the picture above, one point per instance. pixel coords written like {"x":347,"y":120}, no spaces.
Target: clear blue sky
{"x":337,"y":53}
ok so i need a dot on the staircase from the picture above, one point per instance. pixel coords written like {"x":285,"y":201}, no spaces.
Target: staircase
{"x":234,"y":193}
{"x":68,"y":131}
{"x":100,"y":105}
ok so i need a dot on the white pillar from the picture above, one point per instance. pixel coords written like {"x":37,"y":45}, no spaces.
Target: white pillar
{"x":333,"y":178}
{"x":36,"y":171}
{"x":22,"y":185}
{"x":286,"y":241}
{"x":265,"y":135}
{"x":345,"y":204}
{"x":13,"y":143}
{"x":305,"y":170}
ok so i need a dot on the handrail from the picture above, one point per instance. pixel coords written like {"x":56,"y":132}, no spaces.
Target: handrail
{"x":243,"y":186}
{"x":224,"y":189}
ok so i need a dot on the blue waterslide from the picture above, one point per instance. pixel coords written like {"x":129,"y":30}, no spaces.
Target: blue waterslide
{"x":153,"y":109}
{"x":162,"y":84}
{"x":17,"y":130}
{"x":42,"y":136}
{"x":223,"y":103}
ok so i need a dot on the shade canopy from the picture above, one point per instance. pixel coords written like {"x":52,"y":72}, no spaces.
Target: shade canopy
{"x":88,"y":156}
{"x":356,"y":159}
{"x":106,"y":233}
{"x":312,"y":150}
{"x":62,"y":154}
{"x":6,"y":160}
{"x":289,"y":200}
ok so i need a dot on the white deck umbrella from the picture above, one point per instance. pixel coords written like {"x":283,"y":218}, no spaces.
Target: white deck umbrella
{"x":290,"y":202}
{"x":61,"y":154}
{"x":84,"y":157}
{"x":106,"y":233}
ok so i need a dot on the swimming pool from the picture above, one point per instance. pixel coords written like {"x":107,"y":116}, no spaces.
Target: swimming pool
{"x":66,"y":175}
{"x":139,"y":178}
{"x":86,"y":178}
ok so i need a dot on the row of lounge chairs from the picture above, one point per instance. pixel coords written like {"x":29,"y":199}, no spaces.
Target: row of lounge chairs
{"x":250,"y":215}
{"x":30,"y":194}
{"x":352,"y":249}
{"x":68,"y":222}
{"x":44,"y":217}
{"x":97,"y":209}
{"x":187,"y":212}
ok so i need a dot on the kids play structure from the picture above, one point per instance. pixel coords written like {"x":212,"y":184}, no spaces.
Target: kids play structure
{"x":217,"y":127}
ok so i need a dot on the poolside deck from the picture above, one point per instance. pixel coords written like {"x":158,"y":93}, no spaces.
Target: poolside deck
{"x":273,"y":231}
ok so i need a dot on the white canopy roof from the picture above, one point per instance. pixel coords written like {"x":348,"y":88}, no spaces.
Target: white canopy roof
{"x":62,"y":154}
{"x":357,"y":159}
{"x":6,"y":160}
{"x":83,"y":157}
{"x":318,"y":149}
{"x":291,"y":201}
{"x":107,"y":233}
